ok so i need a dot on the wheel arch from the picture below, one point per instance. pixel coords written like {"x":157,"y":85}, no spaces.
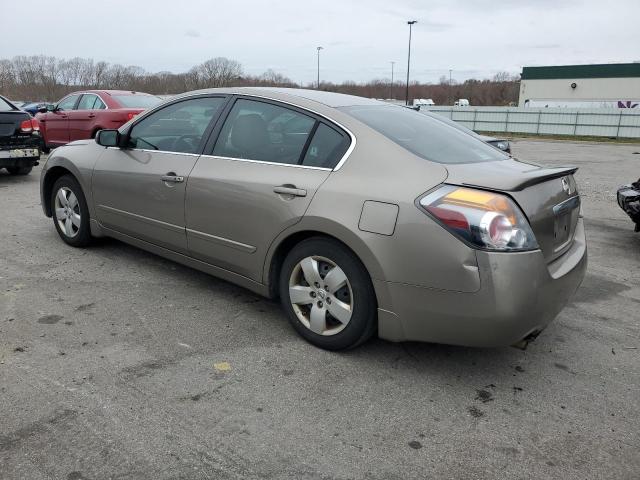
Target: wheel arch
{"x":53,"y":174}
{"x":318,"y":228}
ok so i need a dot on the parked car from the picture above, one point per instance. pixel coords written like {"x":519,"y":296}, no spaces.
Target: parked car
{"x":81,"y":114}
{"x":629,"y":201}
{"x":33,"y":108}
{"x":361,"y":216}
{"x":419,"y":102}
{"x":500,"y":143}
{"x":19,"y":139}
{"x":462,"y":102}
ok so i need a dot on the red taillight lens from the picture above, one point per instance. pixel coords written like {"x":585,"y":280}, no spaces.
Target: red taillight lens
{"x":29,"y":126}
{"x":131,"y":116}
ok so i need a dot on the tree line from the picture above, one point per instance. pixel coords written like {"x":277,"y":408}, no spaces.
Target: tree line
{"x":45,"y":78}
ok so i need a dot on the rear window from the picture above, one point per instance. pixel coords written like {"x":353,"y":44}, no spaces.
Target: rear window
{"x":5,"y":106}
{"x":424,"y":136}
{"x":137,"y":101}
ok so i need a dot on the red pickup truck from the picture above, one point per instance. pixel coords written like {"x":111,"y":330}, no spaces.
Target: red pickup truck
{"x":80,"y":115}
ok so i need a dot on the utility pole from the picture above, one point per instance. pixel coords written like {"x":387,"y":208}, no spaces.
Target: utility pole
{"x":450,"y":87}
{"x":391,"y":88}
{"x":318,"y":49}
{"x":410,"y":23}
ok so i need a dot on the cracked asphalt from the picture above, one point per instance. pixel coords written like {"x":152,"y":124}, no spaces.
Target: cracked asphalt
{"x":117,"y":364}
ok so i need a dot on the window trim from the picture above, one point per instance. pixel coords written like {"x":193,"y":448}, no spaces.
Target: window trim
{"x":320,"y":118}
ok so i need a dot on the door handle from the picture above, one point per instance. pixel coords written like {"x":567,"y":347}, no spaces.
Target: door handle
{"x":92,"y":115}
{"x":290,"y":190}
{"x":172,"y":178}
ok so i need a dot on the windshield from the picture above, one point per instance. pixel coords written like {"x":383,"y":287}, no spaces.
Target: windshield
{"x":423,"y":135}
{"x":137,"y":101}
{"x":5,"y":106}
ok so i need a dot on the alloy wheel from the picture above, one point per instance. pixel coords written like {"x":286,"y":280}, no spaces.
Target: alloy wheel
{"x":321,"y":295}
{"x":67,"y":211}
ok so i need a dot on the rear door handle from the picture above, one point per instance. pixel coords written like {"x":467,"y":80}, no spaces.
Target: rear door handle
{"x":92,"y":115}
{"x":290,"y":190}
{"x":172,"y":178}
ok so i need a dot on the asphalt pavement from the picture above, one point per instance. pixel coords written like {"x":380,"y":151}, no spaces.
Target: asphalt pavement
{"x":118,"y":364}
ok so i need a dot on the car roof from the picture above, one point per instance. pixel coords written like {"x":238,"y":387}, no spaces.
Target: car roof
{"x":330,"y":99}
{"x":114,"y":92}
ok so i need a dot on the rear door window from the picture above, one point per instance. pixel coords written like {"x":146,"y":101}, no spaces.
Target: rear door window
{"x":87,"y":102}
{"x":263,"y":131}
{"x":178,"y":127}
{"x":326,"y":147}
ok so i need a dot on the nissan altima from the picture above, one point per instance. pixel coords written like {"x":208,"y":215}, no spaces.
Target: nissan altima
{"x":362,"y":217}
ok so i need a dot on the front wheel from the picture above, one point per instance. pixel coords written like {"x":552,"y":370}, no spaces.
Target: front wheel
{"x":70,"y":212}
{"x":327,"y":294}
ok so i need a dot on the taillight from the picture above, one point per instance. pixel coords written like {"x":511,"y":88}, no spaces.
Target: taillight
{"x":484,"y":219}
{"x":29,"y":126}
{"x":131,"y":116}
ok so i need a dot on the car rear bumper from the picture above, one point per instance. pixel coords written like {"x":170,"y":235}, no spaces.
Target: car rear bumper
{"x":19,"y":156}
{"x":519,"y":296}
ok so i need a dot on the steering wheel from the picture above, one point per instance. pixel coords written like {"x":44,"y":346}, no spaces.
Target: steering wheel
{"x":187,"y":143}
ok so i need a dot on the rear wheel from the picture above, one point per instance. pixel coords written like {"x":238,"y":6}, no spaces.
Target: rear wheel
{"x":327,"y":294}
{"x":19,"y":170}
{"x":70,"y":212}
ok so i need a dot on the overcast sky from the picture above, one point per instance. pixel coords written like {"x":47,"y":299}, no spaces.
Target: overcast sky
{"x":475,"y":38}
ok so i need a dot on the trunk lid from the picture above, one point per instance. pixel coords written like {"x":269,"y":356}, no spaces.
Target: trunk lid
{"x":547,"y":196}
{"x":10,"y":123}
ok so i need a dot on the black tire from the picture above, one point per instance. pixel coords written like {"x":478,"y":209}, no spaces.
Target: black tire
{"x":363,"y":322}
{"x":19,"y":170}
{"x":82,"y":237}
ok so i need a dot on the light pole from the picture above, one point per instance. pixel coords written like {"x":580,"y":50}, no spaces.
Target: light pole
{"x":391,"y":88}
{"x":449,"y":87}
{"x":318,"y":49}
{"x":410,"y":23}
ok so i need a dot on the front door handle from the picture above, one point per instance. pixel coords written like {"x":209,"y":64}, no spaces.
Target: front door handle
{"x":92,"y":115}
{"x":290,"y":190}
{"x":172,"y":178}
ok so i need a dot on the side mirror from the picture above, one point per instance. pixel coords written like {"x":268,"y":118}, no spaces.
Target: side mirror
{"x":43,"y":109}
{"x":50,"y":107}
{"x":108,"y":138}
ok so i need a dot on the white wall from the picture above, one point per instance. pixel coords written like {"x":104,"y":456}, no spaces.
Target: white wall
{"x":588,"y":89}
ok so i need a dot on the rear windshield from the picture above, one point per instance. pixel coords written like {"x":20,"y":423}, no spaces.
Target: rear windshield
{"x":137,"y":101}
{"x":424,"y":136}
{"x":5,"y":106}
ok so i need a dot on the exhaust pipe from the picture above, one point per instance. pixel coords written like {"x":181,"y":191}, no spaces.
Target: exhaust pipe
{"x":522,"y":344}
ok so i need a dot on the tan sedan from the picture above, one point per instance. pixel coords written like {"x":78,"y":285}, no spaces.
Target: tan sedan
{"x":362,"y":217}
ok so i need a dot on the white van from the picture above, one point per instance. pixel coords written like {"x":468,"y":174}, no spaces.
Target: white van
{"x":463,"y":102}
{"x":419,"y":102}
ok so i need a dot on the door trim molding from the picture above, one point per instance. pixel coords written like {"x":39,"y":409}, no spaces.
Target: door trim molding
{"x":220,"y":241}
{"x":141,"y":218}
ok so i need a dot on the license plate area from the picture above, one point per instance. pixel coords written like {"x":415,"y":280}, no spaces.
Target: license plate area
{"x":565,"y":219}
{"x":23,"y":152}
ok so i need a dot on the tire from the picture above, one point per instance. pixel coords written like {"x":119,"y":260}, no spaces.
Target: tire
{"x":75,"y":233}
{"x":19,"y":170}
{"x":312,"y":311}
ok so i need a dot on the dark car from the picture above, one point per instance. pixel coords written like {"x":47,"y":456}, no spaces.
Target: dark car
{"x":629,"y":201}
{"x":19,"y":139}
{"x":499,"y":143}
{"x":33,"y":107}
{"x":80,"y":115}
